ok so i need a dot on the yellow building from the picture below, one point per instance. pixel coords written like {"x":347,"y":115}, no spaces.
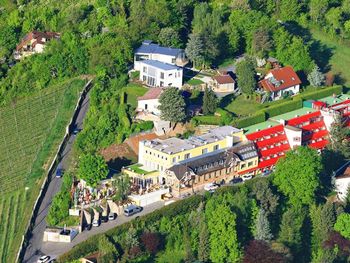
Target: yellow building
{"x":161,"y":154}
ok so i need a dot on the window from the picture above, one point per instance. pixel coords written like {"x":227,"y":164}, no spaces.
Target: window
{"x":146,"y":106}
{"x":204,"y":151}
{"x":187,"y":155}
{"x":162,"y":75}
{"x":243,"y":166}
{"x":161,"y":84}
{"x":143,"y":78}
{"x":216,"y":147}
{"x":173,"y":60}
{"x":174,"y":159}
{"x":144,"y":69}
{"x":250,"y":164}
{"x":170,"y":74}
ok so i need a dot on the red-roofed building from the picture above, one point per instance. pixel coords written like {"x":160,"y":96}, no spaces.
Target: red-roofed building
{"x":34,"y":42}
{"x":280,"y":81}
{"x":223,"y":83}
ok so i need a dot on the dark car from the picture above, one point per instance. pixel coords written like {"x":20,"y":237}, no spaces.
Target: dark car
{"x":59,"y":172}
{"x":76,"y":130}
{"x":236,"y":180}
{"x":88,"y":227}
{"x":104,"y":219}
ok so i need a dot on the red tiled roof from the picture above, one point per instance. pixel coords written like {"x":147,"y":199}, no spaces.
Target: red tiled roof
{"x":224,"y":79}
{"x":38,"y":36}
{"x":286,"y":76}
{"x":151,"y":94}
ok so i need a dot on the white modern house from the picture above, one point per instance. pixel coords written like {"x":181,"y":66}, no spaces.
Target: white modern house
{"x":152,"y":51}
{"x":342,"y":184}
{"x":281,"y":81}
{"x":159,"y":74}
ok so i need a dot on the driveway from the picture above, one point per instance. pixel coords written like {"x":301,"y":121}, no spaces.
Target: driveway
{"x":55,"y":249}
{"x":33,"y":251}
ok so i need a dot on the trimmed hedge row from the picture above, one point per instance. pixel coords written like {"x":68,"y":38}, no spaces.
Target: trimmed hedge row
{"x":91,"y":245}
{"x":283,"y":108}
{"x":251,"y":120}
{"x":321,"y":93}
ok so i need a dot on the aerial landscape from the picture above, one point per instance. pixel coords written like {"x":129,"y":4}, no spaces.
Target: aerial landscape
{"x":175,"y":131}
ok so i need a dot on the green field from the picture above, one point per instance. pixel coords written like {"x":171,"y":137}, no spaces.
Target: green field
{"x":133,"y":91}
{"x":30,"y":131}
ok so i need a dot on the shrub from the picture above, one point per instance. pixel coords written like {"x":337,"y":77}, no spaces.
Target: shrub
{"x":151,"y":242}
{"x":283,"y":108}
{"x":321,"y":93}
{"x":251,"y":120}
{"x":225,"y":116}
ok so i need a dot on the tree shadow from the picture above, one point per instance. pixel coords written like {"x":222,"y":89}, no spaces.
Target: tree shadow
{"x":321,"y":54}
{"x":118,"y":163}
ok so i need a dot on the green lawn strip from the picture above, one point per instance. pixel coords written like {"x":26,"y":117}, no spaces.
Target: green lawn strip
{"x":194,"y":82}
{"x":132,"y":92}
{"x":5,"y":230}
{"x":12,"y":231}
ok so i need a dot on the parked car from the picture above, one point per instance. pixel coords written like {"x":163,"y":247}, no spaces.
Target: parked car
{"x":44,"y":259}
{"x":88,"y":227}
{"x":236,"y":180}
{"x":76,"y":131}
{"x":211,"y":187}
{"x":111,"y":216}
{"x":59,"y":172}
{"x":104,"y":219}
{"x":247,"y":177}
{"x":96,"y":223}
{"x":132,"y":209}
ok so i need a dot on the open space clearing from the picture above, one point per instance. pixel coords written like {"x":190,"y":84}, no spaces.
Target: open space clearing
{"x":133,"y":91}
{"x":30,"y":132}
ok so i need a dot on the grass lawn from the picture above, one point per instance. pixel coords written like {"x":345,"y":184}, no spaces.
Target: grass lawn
{"x":133,"y":91}
{"x":30,"y":133}
{"x":194,"y":82}
{"x":340,"y":55}
{"x":137,"y":169}
{"x":240,"y":106}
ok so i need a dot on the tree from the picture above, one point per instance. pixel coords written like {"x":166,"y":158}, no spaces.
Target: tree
{"x":131,"y":239}
{"x":209,"y":101}
{"x":268,"y":201}
{"x":151,"y":242}
{"x":342,"y":225}
{"x":260,"y":251}
{"x":317,"y":9}
{"x":122,"y":185}
{"x":339,"y":137}
{"x":92,"y":168}
{"x":168,"y":37}
{"x":172,"y":105}
{"x":194,"y":49}
{"x":296,"y":175}
{"x":246,"y":76}
{"x":224,"y":246}
{"x":262,"y":227}
{"x":261,"y":43}
{"x":203,"y":246}
{"x":189,"y":257}
{"x":315,"y":77}
{"x":107,"y":251}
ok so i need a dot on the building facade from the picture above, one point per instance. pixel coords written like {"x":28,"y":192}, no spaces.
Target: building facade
{"x":149,"y":102}
{"x":158,"y":74}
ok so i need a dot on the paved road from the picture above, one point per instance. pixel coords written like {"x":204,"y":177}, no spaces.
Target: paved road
{"x":55,"y":249}
{"x":33,"y":251}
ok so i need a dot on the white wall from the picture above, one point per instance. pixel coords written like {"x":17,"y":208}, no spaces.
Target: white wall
{"x":152,"y":106}
{"x":294,"y":137}
{"x":172,"y":77}
{"x":341,"y":187}
{"x":278,"y":94}
{"x":159,"y":57}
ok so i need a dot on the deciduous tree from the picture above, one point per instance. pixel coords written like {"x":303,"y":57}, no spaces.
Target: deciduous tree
{"x":260,"y":251}
{"x":92,"y":168}
{"x":342,"y":225}
{"x":194,"y":50}
{"x":246,"y":76}
{"x":209,"y":101}
{"x":168,"y":37}
{"x":315,"y":77}
{"x":172,"y":105}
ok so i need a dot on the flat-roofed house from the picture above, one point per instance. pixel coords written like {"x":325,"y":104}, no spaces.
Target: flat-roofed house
{"x":159,"y":74}
{"x":161,"y":154}
{"x":152,"y":51}
{"x":34,"y":42}
{"x":223,"y":165}
{"x":281,"y":81}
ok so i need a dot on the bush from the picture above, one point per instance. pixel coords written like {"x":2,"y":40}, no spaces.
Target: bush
{"x":321,"y":93}
{"x":142,"y":126}
{"x":226,"y":117}
{"x":283,"y":108}
{"x":251,"y":120}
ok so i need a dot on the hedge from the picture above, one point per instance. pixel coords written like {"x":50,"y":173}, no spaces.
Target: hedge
{"x":320,"y":93}
{"x":251,"y":120}
{"x":225,"y":116}
{"x":283,"y":108}
{"x":91,"y":245}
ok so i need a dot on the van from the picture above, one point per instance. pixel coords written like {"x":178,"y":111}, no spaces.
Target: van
{"x":132,"y":209}
{"x":59,"y":172}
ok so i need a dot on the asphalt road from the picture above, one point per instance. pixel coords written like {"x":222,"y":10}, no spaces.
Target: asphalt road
{"x":34,"y":249}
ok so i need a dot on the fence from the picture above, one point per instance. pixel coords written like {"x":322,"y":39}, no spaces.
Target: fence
{"x":50,"y":172}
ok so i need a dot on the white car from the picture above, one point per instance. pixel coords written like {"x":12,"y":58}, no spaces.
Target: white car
{"x":211,"y":187}
{"x":44,"y":259}
{"x":96,"y":223}
{"x":247,"y":177}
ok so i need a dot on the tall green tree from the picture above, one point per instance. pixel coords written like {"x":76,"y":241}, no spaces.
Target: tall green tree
{"x":339,"y":137}
{"x":209,"y":101}
{"x":297,"y":175}
{"x":203,"y":246}
{"x":224,"y":246}
{"x":107,"y":251}
{"x":194,"y":50}
{"x":267,"y":199}
{"x":246,"y":76}
{"x":315,"y":77}
{"x":342,"y":225}
{"x":172,"y":105}
{"x":92,"y":168}
{"x":261,"y":44}
{"x":169,"y":37}
{"x":122,"y":185}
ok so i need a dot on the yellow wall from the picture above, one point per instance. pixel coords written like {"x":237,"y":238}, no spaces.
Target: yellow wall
{"x":164,"y":160}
